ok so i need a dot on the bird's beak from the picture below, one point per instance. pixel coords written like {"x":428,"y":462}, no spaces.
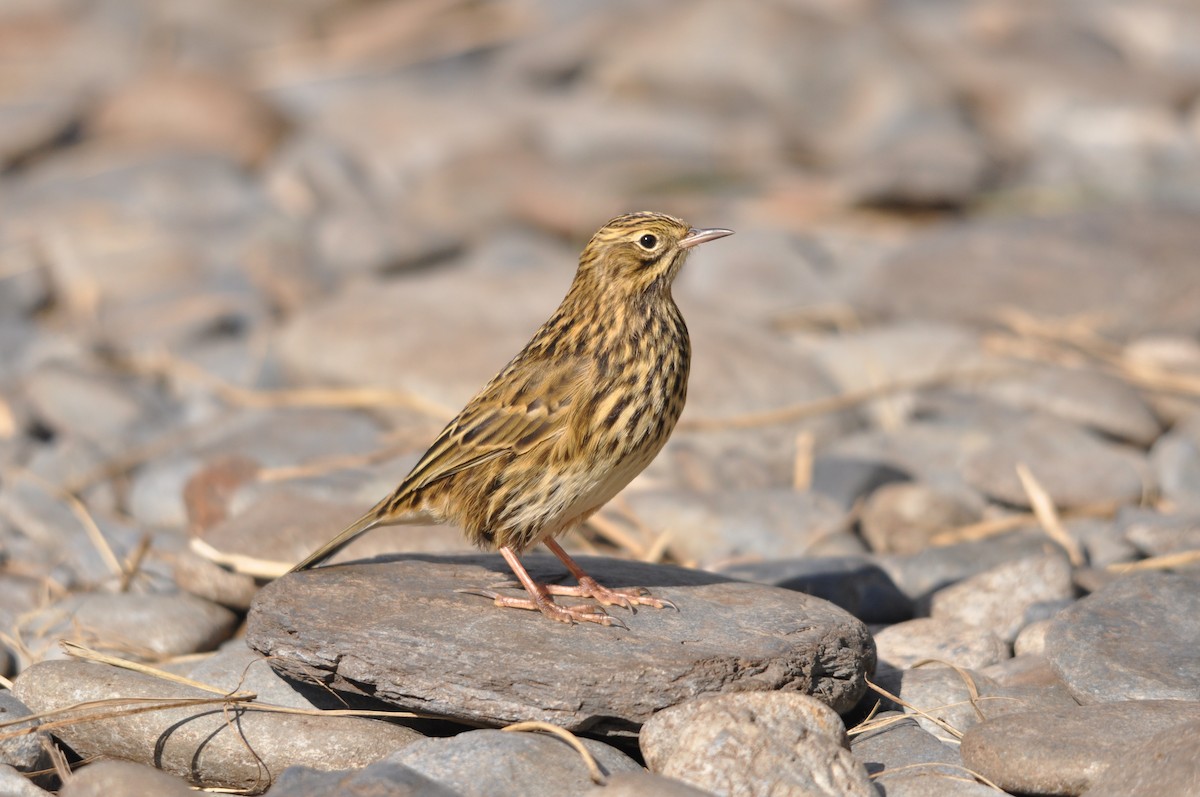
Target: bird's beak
{"x":695,"y":236}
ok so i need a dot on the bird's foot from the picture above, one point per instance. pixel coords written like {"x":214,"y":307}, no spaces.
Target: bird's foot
{"x":582,"y":613}
{"x":626,"y":598}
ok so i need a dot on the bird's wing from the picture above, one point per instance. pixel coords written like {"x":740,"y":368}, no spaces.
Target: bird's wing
{"x":526,"y":406}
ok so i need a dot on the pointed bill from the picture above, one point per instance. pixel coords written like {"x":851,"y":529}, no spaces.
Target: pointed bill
{"x":695,"y":236}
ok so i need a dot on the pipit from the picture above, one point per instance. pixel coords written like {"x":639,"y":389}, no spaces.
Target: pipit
{"x":580,"y":411}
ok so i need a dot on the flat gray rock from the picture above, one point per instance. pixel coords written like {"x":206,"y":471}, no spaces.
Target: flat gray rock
{"x":900,"y":747}
{"x":205,"y":744}
{"x":381,"y":779}
{"x":492,"y":763}
{"x":397,"y":630}
{"x":952,"y":641}
{"x":1002,"y":599}
{"x":1064,"y":750}
{"x":113,"y":778}
{"x":1135,"y":639}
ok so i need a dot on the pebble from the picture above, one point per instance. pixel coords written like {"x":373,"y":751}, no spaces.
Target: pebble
{"x":137,"y":626}
{"x":902,"y":517}
{"x":1134,"y":639}
{"x":314,"y":627}
{"x":14,"y":784}
{"x":24,"y":753}
{"x":199,"y":743}
{"x":645,"y":784}
{"x":1002,"y":599}
{"x":1065,"y":750}
{"x":1165,"y":763}
{"x":896,"y":748}
{"x":493,"y":763}
{"x":754,"y":744}
{"x":114,"y":778}
{"x":943,"y":639}
{"x":1154,"y":534}
{"x":706,"y":527}
{"x":384,"y":778}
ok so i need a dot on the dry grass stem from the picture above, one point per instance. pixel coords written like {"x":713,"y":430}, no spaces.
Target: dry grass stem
{"x":133,"y":564}
{"x":568,"y":737}
{"x":1168,"y":561}
{"x":1047,"y":515}
{"x":238,"y":563}
{"x":802,"y":464}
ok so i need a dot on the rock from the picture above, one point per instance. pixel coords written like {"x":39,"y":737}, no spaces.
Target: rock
{"x":381,"y":779}
{"x":1127,"y":263}
{"x":111,"y":778}
{"x":1001,"y":599}
{"x":1026,"y":669}
{"x":920,"y":784}
{"x":205,"y":579}
{"x":961,"y":644}
{"x":645,"y":784}
{"x":144,"y":627}
{"x":191,"y":110}
{"x":1066,"y":750}
{"x":855,"y":583}
{"x":1134,"y":639}
{"x":1088,"y":398}
{"x":961,"y":698}
{"x":921,"y":574}
{"x":1166,"y":763}
{"x":491,"y":763}
{"x":713,"y":526}
{"x":243,"y":749}
{"x":1159,"y":535}
{"x":898,"y":743}
{"x":1176,"y":460}
{"x":754,"y":744}
{"x":14,"y":784}
{"x":313,"y":626}
{"x":1075,"y":467}
{"x":1031,"y":640}
{"x":902,"y":517}
{"x":236,"y":668}
{"x":24,"y":753}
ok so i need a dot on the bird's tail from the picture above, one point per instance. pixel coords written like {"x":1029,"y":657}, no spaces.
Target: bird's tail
{"x":375,"y":516}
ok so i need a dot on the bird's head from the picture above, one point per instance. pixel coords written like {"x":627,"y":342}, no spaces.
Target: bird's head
{"x":641,"y":252}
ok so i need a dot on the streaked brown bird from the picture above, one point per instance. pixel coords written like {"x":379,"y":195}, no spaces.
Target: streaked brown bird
{"x":584,"y":407}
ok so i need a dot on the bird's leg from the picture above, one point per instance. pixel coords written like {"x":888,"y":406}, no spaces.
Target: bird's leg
{"x":539,"y":598}
{"x":590,"y":588}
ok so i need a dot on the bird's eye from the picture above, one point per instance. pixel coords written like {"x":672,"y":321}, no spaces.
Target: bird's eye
{"x":648,"y":241}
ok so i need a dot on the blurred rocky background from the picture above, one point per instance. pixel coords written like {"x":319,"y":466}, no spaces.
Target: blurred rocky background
{"x":946,"y":375}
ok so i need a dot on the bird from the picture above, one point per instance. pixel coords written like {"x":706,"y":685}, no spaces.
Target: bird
{"x":580,"y":411}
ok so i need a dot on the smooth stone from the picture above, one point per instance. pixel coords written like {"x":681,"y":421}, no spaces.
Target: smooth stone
{"x":909,"y":352}
{"x":381,"y":779}
{"x":899,"y":743}
{"x":115,"y":778}
{"x":1176,"y":460}
{"x":710,"y":526}
{"x":645,"y":784}
{"x":1154,"y":534}
{"x":207,"y":580}
{"x":944,"y":694}
{"x":1075,"y":467}
{"x":903,"y":516}
{"x":1134,"y":639}
{"x":1166,"y":763}
{"x":1031,"y":640}
{"x":234,"y":667}
{"x":856,"y":583}
{"x":14,"y":784}
{"x":1102,"y":541}
{"x":314,"y":627}
{"x":1085,"y":397}
{"x":960,"y":644}
{"x":138,"y":626}
{"x":922,"y":574}
{"x":493,"y":763}
{"x":754,"y":744}
{"x":281,"y":437}
{"x":1001,"y":598}
{"x":1129,"y":264}
{"x":1024,"y":670}
{"x":1062,"y":750}
{"x":24,"y":753}
{"x":204,"y":744}
{"x":920,"y":784}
